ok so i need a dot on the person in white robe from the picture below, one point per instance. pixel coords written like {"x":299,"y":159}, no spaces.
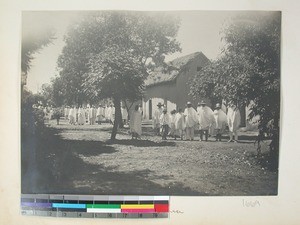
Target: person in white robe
{"x":164,"y":123}
{"x":180,"y":124}
{"x":112,"y":114}
{"x":136,"y":123}
{"x":81,"y":116}
{"x":220,"y":122}
{"x":206,"y":118}
{"x":156,"y":123}
{"x":66,"y":112}
{"x":191,"y":120}
{"x":71,"y":116}
{"x":51,"y":113}
{"x":108,"y":113}
{"x":86,"y":114}
{"x":92,"y":115}
{"x":124,"y":114}
{"x":234,"y":120}
{"x":172,"y":132}
{"x":76,"y":114}
{"x":99,"y":114}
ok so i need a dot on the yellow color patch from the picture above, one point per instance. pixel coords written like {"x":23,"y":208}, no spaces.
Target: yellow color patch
{"x":137,"y":206}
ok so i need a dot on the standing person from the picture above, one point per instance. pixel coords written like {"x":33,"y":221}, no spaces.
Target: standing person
{"x":179,"y":124}
{"x":141,"y":110}
{"x":191,"y":120}
{"x":136,"y":123}
{"x":76,"y":114}
{"x":220,"y":122}
{"x":92,"y":115}
{"x":99,"y":114}
{"x":109,"y":109}
{"x":87,"y":111}
{"x":66,"y":112}
{"x":172,"y":124}
{"x":71,"y":115}
{"x":165,"y":123}
{"x":81,"y":116}
{"x":234,"y":120}
{"x":112,"y":114}
{"x":156,"y":123}
{"x":103,"y":113}
{"x":107,"y":112}
{"x":86,"y":114}
{"x":51,"y":113}
{"x":205,"y":116}
{"x":124,"y":114}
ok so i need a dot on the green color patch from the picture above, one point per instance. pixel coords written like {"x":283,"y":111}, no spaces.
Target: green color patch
{"x":104,"y":206}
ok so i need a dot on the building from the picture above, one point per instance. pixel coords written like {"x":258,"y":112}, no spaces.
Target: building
{"x":171,"y":87}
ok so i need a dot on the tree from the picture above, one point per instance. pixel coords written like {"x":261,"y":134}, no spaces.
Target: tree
{"x":34,"y":38}
{"x":248,"y":70}
{"x":117,"y":50}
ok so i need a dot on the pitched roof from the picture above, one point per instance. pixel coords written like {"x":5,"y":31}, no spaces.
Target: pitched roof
{"x":159,"y":75}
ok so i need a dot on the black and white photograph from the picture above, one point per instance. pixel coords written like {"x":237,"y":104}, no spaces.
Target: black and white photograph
{"x":179,"y":103}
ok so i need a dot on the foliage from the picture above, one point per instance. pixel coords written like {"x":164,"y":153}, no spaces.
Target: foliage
{"x":32,"y":42}
{"x":249,"y":69}
{"x":32,"y":118}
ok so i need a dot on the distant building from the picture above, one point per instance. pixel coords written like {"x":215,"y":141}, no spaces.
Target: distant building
{"x":172,"y":88}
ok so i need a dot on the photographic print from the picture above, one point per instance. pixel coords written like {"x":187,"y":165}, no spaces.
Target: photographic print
{"x":181,"y":103}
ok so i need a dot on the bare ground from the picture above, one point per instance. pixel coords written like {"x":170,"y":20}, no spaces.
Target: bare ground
{"x":81,"y":160}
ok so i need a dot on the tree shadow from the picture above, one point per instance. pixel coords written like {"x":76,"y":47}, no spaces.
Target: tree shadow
{"x":141,"y":143}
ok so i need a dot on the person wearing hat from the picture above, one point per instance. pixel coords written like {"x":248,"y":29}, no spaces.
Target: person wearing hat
{"x":165,"y":124}
{"x":220,"y":122}
{"x":156,"y":118}
{"x":234,"y":120}
{"x":205,"y":118}
{"x":191,"y":120}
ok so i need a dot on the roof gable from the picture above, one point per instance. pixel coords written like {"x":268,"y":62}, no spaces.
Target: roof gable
{"x":160,"y":75}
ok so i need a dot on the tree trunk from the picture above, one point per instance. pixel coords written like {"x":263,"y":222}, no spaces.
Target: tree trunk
{"x":118,"y":118}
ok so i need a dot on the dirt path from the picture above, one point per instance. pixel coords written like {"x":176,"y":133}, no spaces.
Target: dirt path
{"x":84,"y":162}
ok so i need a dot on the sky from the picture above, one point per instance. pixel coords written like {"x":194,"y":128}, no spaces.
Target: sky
{"x":199,"y":31}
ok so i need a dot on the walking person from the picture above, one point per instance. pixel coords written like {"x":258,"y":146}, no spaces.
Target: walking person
{"x":180,"y":124}
{"x":172,"y":132}
{"x":205,"y":117}
{"x":220,"y":122}
{"x":156,"y":123}
{"x":66,"y":112}
{"x":234,"y":120}
{"x":81,"y":116}
{"x":165,"y":123}
{"x":99,"y":114}
{"x":136,"y":123}
{"x":191,"y":121}
{"x":92,"y":115}
{"x":124,"y":114}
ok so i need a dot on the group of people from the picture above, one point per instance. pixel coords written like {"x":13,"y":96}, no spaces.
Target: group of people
{"x":176,"y":124}
{"x":92,"y":115}
{"x":184,"y":122}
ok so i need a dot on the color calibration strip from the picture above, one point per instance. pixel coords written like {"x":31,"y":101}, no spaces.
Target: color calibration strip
{"x":87,"y":206}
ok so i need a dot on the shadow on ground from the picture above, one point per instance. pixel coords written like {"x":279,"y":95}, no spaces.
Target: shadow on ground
{"x":56,"y":168}
{"x":141,"y":143}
